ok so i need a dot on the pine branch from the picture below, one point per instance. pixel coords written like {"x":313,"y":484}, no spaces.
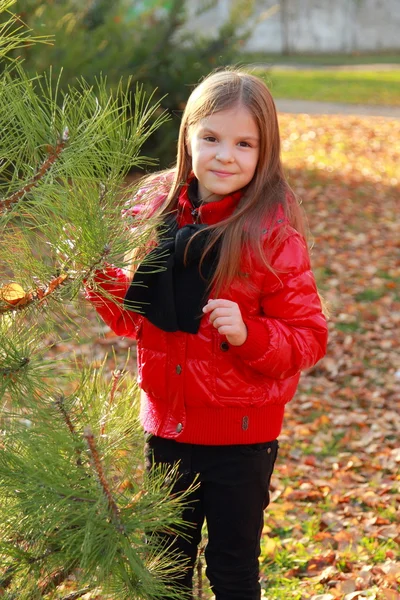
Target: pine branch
{"x":77,"y":594}
{"x":116,"y":376}
{"x":103,"y":256}
{"x":15,"y":34}
{"x":13,"y":302}
{"x":38,"y":295}
{"x":44,"y":586}
{"x":9,"y":371}
{"x":101,"y":477}
{"x":76,"y":498}
{"x":6,"y":203}
{"x":103,"y":192}
{"x":7,"y":578}
{"x":50,"y":582}
{"x":59,"y":402}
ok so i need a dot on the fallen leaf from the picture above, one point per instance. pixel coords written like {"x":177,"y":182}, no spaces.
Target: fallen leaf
{"x":12,"y":293}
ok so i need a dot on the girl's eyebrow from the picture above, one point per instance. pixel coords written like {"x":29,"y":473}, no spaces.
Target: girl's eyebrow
{"x":239,"y":137}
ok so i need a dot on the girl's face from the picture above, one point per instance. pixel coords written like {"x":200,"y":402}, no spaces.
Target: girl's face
{"x":224,"y":148}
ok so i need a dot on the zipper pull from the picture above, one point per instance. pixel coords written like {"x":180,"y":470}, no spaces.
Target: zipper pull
{"x":195,"y":215}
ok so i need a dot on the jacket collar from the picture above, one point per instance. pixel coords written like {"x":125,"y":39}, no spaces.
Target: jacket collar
{"x":208,"y":213}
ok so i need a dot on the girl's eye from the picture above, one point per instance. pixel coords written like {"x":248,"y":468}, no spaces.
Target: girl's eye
{"x":209,"y":138}
{"x":244,"y":144}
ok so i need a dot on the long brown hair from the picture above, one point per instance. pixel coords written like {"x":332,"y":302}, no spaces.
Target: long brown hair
{"x":268,"y":189}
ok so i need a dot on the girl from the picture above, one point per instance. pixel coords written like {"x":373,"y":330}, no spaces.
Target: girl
{"x":225,"y":328}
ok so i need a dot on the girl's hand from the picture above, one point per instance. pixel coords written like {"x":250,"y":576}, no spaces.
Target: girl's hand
{"x":227,"y":318}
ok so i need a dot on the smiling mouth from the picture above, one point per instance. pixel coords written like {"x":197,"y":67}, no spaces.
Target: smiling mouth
{"x":222,"y":173}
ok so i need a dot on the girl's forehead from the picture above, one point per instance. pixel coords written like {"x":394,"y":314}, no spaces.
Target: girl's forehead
{"x":232,"y":120}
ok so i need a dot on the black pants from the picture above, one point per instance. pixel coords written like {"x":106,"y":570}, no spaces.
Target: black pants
{"x":232,"y":495}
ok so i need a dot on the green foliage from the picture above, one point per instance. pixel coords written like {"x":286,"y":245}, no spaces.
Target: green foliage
{"x":73,"y":497}
{"x":13,"y":35}
{"x":65,"y":158}
{"x":151,"y":41}
{"x":70,"y":506}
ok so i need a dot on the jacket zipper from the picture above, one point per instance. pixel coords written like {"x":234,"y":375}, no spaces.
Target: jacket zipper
{"x":195,"y":215}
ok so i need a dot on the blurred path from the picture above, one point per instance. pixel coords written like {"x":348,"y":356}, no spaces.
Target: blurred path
{"x":330,"y":108}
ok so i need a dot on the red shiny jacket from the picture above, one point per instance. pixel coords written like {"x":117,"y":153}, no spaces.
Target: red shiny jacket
{"x":196,"y":388}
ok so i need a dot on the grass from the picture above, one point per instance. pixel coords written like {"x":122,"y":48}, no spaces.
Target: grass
{"x":372,"y":86}
{"x":353,"y":87}
{"x":322,"y":60}
{"x":348,"y":327}
{"x":370,"y":295}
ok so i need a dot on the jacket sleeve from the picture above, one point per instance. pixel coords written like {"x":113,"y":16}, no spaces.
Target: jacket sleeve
{"x":114,"y":282}
{"x":291,"y":333}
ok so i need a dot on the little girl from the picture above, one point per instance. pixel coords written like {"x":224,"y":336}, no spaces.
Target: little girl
{"x":225,"y":328}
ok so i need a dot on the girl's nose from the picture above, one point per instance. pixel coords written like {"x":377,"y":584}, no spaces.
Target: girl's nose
{"x":224,"y":155}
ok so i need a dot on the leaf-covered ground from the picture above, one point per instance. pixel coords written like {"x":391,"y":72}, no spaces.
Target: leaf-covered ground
{"x":332,"y":529}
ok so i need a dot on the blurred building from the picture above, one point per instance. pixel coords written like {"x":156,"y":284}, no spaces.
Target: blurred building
{"x":297,"y":26}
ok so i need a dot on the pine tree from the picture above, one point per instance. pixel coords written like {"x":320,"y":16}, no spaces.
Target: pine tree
{"x":76,"y":509}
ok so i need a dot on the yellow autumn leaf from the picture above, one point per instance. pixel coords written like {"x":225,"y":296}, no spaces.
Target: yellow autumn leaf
{"x":12,"y":293}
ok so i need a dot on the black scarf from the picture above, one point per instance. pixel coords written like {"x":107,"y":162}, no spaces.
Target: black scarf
{"x":167,"y":290}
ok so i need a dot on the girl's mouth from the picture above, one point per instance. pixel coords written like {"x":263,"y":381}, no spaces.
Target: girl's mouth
{"x":222,"y":174}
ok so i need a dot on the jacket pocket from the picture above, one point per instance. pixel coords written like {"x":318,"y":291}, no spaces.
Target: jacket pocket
{"x":234,"y":383}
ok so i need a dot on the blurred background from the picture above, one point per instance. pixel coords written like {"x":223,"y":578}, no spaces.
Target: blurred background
{"x":311,"y":50}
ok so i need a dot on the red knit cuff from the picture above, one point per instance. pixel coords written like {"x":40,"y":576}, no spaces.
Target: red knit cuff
{"x":112,"y":280}
{"x":256,"y":343}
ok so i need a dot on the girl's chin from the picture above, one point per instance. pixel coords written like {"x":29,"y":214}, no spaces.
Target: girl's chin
{"x":216,"y":191}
